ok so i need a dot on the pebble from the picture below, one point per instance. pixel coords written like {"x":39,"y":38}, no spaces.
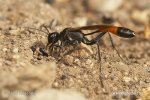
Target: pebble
{"x":126,"y":79}
{"x":136,"y":79}
{"x":141,"y":82}
{"x":16,"y":57}
{"x":121,"y":63}
{"x":14,"y":32}
{"x":79,"y":82}
{"x":55,"y":84}
{"x":85,"y":76}
{"x":89,"y":63}
{"x":22,"y":64}
{"x":78,"y":76}
{"x":69,"y":59}
{"x":5,"y":49}
{"x":87,"y":48}
{"x":126,"y":73}
{"x":15,"y":50}
{"x":77,"y":61}
{"x":94,"y":72}
{"x":8,"y":62}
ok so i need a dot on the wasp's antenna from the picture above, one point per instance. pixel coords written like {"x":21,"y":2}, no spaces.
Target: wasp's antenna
{"x":34,"y":29}
{"x":46,"y":28}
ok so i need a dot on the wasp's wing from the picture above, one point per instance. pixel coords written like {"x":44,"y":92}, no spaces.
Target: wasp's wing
{"x":97,"y":28}
{"x":92,"y":27}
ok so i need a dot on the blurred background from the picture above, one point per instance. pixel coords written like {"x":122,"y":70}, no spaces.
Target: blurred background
{"x":132,"y":14}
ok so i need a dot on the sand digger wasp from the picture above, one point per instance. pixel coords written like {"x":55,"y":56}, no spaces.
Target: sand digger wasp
{"x":75,"y":36}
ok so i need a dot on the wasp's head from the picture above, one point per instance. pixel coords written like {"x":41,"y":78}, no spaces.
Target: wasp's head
{"x":53,"y":37}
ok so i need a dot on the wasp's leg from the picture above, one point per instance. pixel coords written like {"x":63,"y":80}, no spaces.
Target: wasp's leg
{"x":100,"y":67}
{"x":93,"y":41}
{"x":113,"y":46}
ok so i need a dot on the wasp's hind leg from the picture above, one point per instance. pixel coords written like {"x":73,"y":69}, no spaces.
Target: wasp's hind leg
{"x":113,"y":46}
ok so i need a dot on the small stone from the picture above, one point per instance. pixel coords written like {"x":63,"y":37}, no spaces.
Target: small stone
{"x":141,"y":83}
{"x":79,"y":81}
{"x":16,"y":57}
{"x":94,"y":72}
{"x":89,"y":63}
{"x":8,"y":62}
{"x":104,"y":90}
{"x":87,"y":48}
{"x":69,"y":59}
{"x":55,"y":84}
{"x":85,"y":76}
{"x":126,"y":73}
{"x":121,"y":63}
{"x":14,"y":32}
{"x":127,"y":79}
{"x":5,"y":49}
{"x":136,"y":79}
{"x":22,"y":64}
{"x":77,"y":61}
{"x":78,"y":76}
{"x":15,"y":50}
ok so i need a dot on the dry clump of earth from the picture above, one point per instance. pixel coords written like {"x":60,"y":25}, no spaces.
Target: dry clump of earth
{"x":73,"y":75}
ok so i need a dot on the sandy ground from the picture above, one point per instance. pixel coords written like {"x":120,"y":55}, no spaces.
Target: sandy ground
{"x":77,"y":71}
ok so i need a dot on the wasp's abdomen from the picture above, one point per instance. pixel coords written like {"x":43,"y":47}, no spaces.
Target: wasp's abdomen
{"x":125,"y":32}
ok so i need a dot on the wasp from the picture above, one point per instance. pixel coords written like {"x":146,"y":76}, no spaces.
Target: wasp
{"x":75,"y":36}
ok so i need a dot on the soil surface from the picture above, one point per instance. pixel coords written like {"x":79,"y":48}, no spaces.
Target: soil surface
{"x":77,"y":66}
